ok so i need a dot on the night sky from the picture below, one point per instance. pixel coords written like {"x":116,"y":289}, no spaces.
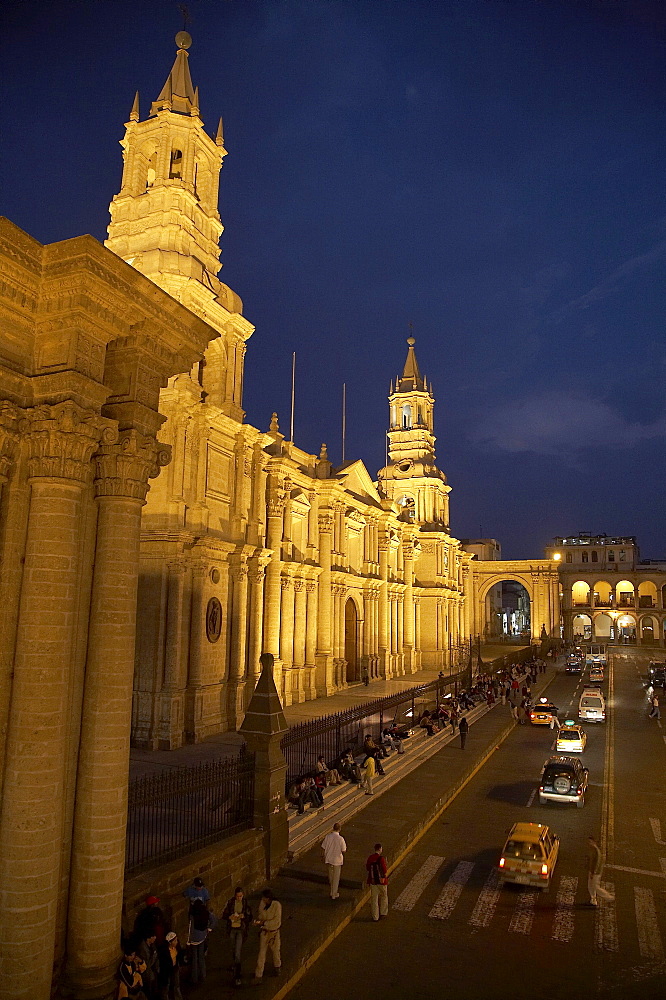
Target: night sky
{"x":491,"y":171}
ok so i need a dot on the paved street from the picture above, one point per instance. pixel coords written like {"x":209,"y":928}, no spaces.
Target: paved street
{"x":451,"y":929}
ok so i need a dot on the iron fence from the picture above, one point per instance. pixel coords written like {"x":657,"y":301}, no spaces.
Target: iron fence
{"x":329,"y":735}
{"x":174,"y":812}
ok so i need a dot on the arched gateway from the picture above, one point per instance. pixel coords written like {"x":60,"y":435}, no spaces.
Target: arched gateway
{"x":539,"y":579}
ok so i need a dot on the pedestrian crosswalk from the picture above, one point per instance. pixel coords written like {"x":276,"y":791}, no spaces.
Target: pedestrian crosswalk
{"x":475,"y":895}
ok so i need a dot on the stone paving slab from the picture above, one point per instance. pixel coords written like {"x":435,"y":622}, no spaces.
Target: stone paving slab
{"x":311,"y":920}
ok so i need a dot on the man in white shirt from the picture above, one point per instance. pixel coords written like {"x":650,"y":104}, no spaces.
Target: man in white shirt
{"x":333,"y":847}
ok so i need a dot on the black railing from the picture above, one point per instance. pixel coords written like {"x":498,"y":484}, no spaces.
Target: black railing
{"x":174,"y":812}
{"x":329,"y":735}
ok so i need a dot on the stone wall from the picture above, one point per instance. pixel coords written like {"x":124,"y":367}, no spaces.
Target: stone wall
{"x":238,"y":860}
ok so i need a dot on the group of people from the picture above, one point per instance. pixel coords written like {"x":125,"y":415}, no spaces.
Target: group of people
{"x":154,"y":957}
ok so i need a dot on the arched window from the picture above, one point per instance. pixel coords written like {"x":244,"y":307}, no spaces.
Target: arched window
{"x":406,"y":416}
{"x":176,"y":165}
{"x":595,"y":556}
{"x":151,"y":171}
{"x":569,"y":557}
{"x":393,"y":416}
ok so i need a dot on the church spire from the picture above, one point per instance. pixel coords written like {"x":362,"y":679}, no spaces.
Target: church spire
{"x":411,"y":376}
{"x":178,"y":92}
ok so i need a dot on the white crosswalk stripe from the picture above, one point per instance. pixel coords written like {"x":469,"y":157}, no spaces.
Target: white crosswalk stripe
{"x":521,"y":921}
{"x":647,"y":934}
{"x":563,"y":922}
{"x":450,"y":894}
{"x":484,"y":909}
{"x":412,"y":892}
{"x":649,"y":938}
{"x":605,"y":927}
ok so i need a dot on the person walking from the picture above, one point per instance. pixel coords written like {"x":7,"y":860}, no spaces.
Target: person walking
{"x":377,"y":870}
{"x":655,"y":711}
{"x":202,"y":922}
{"x":238,"y":917}
{"x":269,"y":921}
{"x":595,"y":865}
{"x":463,"y":726}
{"x":333,"y":848}
{"x":366,"y":676}
{"x":369,"y":770}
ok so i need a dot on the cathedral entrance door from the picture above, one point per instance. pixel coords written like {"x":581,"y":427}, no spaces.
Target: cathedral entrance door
{"x":351,"y":642}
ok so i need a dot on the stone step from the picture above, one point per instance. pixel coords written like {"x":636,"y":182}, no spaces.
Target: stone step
{"x":344,"y":801}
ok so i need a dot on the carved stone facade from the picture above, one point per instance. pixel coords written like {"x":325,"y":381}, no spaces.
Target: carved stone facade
{"x":86,"y":344}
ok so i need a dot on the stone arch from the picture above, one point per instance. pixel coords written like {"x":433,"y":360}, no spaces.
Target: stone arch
{"x":624,"y":594}
{"x":647,"y":594}
{"x":582,"y":627}
{"x":580,"y":594}
{"x":603,"y":626}
{"x":626,"y":627}
{"x":487,"y":587}
{"x":648,"y":626}
{"x":603,"y":594}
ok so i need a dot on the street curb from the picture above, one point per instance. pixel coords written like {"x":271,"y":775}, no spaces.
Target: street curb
{"x":408,"y":843}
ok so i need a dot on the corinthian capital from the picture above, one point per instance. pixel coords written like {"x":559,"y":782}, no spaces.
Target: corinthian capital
{"x":123,"y":468}
{"x":62,"y":438}
{"x":325,"y":519}
{"x":9,"y":437}
{"x":276,"y":504}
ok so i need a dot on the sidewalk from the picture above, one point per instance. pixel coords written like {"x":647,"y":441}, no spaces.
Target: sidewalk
{"x":228,"y":744}
{"x":398,"y":818}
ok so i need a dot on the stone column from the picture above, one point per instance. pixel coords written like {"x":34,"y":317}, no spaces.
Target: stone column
{"x":236,"y":687}
{"x":194,"y":695}
{"x":256,"y":617}
{"x":272,"y":587}
{"x":324,"y":658}
{"x":384,"y":613}
{"x":60,"y":441}
{"x":400,"y":601}
{"x":172,"y":722}
{"x":287,"y":638}
{"x":408,"y":606}
{"x":299,"y":638}
{"x":98,"y":850}
{"x":417,"y":624}
{"x":9,"y":437}
{"x":263,"y":728}
{"x":311,"y":638}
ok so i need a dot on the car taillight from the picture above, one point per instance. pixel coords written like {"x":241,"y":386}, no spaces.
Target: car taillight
{"x":579,"y":792}
{"x":532,"y":715}
{"x":540,"y":788}
{"x":501,"y":862}
{"x":544,"y":869}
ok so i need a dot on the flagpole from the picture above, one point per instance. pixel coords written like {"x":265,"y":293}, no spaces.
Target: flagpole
{"x":344,"y":418}
{"x":293,"y":395}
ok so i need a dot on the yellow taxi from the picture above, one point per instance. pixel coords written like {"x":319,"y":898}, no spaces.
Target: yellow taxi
{"x":542,"y":713}
{"x":529,"y":855}
{"x":571,"y":738}
{"x":596,"y":674}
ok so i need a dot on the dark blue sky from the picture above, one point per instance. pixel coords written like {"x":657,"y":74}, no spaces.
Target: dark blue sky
{"x":490,"y":170}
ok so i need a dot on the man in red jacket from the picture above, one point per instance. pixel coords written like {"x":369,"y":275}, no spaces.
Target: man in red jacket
{"x":378,"y":882}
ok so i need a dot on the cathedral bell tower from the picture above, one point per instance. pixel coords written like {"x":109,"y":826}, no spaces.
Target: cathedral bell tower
{"x":165,"y":221}
{"x":411,"y":477}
